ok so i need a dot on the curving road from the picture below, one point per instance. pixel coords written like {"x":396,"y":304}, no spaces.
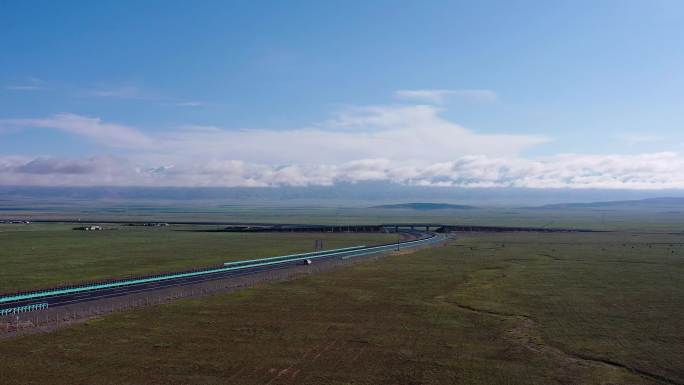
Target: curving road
{"x":23,"y":302}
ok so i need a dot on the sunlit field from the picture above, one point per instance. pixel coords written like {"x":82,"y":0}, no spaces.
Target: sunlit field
{"x":44,"y":255}
{"x":485,"y":309}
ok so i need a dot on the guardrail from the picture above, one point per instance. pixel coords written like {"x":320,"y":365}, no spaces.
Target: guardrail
{"x":24,"y":309}
{"x":311,"y":254}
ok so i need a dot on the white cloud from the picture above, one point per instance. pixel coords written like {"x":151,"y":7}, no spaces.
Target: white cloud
{"x":134,"y":92}
{"x":189,"y":104}
{"x":633,"y":138}
{"x":22,"y":88}
{"x":437,"y":96}
{"x":30,"y":84}
{"x":109,"y":134}
{"x":647,"y":171}
{"x":120,"y":92}
{"x":411,"y":145}
{"x":391,"y":132}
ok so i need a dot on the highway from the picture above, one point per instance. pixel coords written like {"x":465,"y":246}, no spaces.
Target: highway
{"x":30,"y":301}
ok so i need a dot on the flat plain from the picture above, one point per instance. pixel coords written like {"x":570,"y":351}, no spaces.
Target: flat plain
{"x":44,"y":255}
{"x":504,"y":308}
{"x":636,"y":218}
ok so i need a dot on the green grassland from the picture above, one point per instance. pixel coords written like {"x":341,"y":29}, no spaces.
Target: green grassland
{"x":666,"y":218}
{"x":588,"y":308}
{"x":43,"y":255}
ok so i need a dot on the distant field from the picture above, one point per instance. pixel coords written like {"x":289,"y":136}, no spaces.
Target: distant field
{"x":665,"y":218}
{"x":486,"y":309}
{"x":42,"y":255}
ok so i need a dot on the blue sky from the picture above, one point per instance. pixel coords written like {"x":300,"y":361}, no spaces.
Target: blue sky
{"x":490,"y":93}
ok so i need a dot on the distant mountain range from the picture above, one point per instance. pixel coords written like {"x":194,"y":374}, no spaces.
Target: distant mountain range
{"x":361,"y":194}
{"x":425,"y":206}
{"x":640,"y":203}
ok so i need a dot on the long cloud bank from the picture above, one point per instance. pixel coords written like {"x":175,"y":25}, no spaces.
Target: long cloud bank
{"x":650,"y":171}
{"x":411,"y":145}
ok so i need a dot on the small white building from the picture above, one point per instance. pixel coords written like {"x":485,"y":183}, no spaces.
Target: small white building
{"x":89,"y":228}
